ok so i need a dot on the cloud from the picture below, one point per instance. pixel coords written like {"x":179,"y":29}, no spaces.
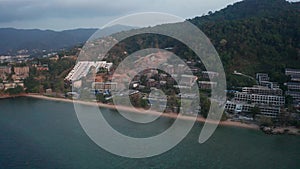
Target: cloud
{"x":38,"y":9}
{"x":18,"y":13}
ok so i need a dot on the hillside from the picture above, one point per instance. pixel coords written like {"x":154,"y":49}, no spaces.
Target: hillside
{"x":250,"y":36}
{"x":36,"y":40}
{"x":256,"y":35}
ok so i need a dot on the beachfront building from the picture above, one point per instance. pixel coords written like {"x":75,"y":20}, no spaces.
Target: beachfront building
{"x":293,"y":85}
{"x":13,"y":85}
{"x":238,"y":107}
{"x":259,"y":99}
{"x":242,"y":107}
{"x":294,"y":94}
{"x":295,"y":78}
{"x":269,"y":111}
{"x":82,"y":68}
{"x":102,"y":86}
{"x":267,"y":96}
{"x":290,"y":72}
{"x":262,"y":90}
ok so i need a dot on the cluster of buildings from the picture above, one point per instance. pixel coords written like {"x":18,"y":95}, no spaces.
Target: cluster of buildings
{"x":14,"y":59}
{"x":267,"y":96}
{"x":16,"y":75}
{"x":82,"y":68}
{"x":209,"y":76}
{"x":293,"y":86}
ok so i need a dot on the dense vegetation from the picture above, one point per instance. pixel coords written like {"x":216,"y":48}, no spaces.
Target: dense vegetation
{"x":256,"y":35}
{"x":39,"y":81}
{"x":250,"y":36}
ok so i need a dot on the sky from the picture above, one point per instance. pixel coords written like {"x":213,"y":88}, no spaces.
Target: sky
{"x":71,"y":14}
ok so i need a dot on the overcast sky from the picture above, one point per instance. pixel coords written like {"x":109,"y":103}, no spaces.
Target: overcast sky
{"x":70,"y":14}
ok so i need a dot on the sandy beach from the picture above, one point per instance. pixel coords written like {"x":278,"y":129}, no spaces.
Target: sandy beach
{"x":142,"y":111}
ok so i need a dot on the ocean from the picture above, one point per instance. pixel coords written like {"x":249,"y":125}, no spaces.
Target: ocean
{"x":42,"y":134}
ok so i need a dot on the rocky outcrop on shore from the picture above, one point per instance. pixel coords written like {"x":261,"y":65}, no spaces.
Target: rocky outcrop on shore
{"x":280,"y":130}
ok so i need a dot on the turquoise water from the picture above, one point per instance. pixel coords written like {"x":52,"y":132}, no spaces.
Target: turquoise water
{"x":46,"y":134}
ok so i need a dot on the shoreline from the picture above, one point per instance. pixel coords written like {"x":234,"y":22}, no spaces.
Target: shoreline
{"x":143,"y":111}
{"x":12,"y":96}
{"x":290,"y":130}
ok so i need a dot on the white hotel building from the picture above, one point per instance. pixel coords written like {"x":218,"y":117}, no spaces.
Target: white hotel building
{"x":82,"y":68}
{"x":260,"y":99}
{"x":265,"y":110}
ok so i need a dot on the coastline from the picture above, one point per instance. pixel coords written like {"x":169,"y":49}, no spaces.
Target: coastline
{"x":142,"y":111}
{"x":280,"y":130}
{"x":12,"y":96}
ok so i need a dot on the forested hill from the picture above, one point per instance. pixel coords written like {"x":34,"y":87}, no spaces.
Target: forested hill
{"x":250,"y":8}
{"x":256,"y":35}
{"x":250,"y":36}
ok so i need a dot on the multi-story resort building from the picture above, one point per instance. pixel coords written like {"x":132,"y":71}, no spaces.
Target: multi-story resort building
{"x":269,"y":84}
{"x":82,"y":68}
{"x":295,"y":95}
{"x":293,"y":85}
{"x":263,"y":80}
{"x":269,"y":111}
{"x":260,"y":99}
{"x":267,"y":97}
{"x":4,"y":71}
{"x":102,"y":86}
{"x":265,"y":110}
{"x":290,"y":72}
{"x":262,"y":77}
{"x":262,"y":90}
{"x":238,"y":107}
{"x":295,"y":78}
{"x":21,"y":72}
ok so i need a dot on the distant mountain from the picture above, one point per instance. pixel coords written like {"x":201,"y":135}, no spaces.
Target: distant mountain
{"x":13,"y":40}
{"x":111,"y":30}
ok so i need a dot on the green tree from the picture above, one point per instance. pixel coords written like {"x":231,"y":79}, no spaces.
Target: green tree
{"x":266,"y":121}
{"x":15,"y":91}
{"x":254,"y":111}
{"x":32,"y":85}
{"x":205,"y":105}
{"x":101,"y":98}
